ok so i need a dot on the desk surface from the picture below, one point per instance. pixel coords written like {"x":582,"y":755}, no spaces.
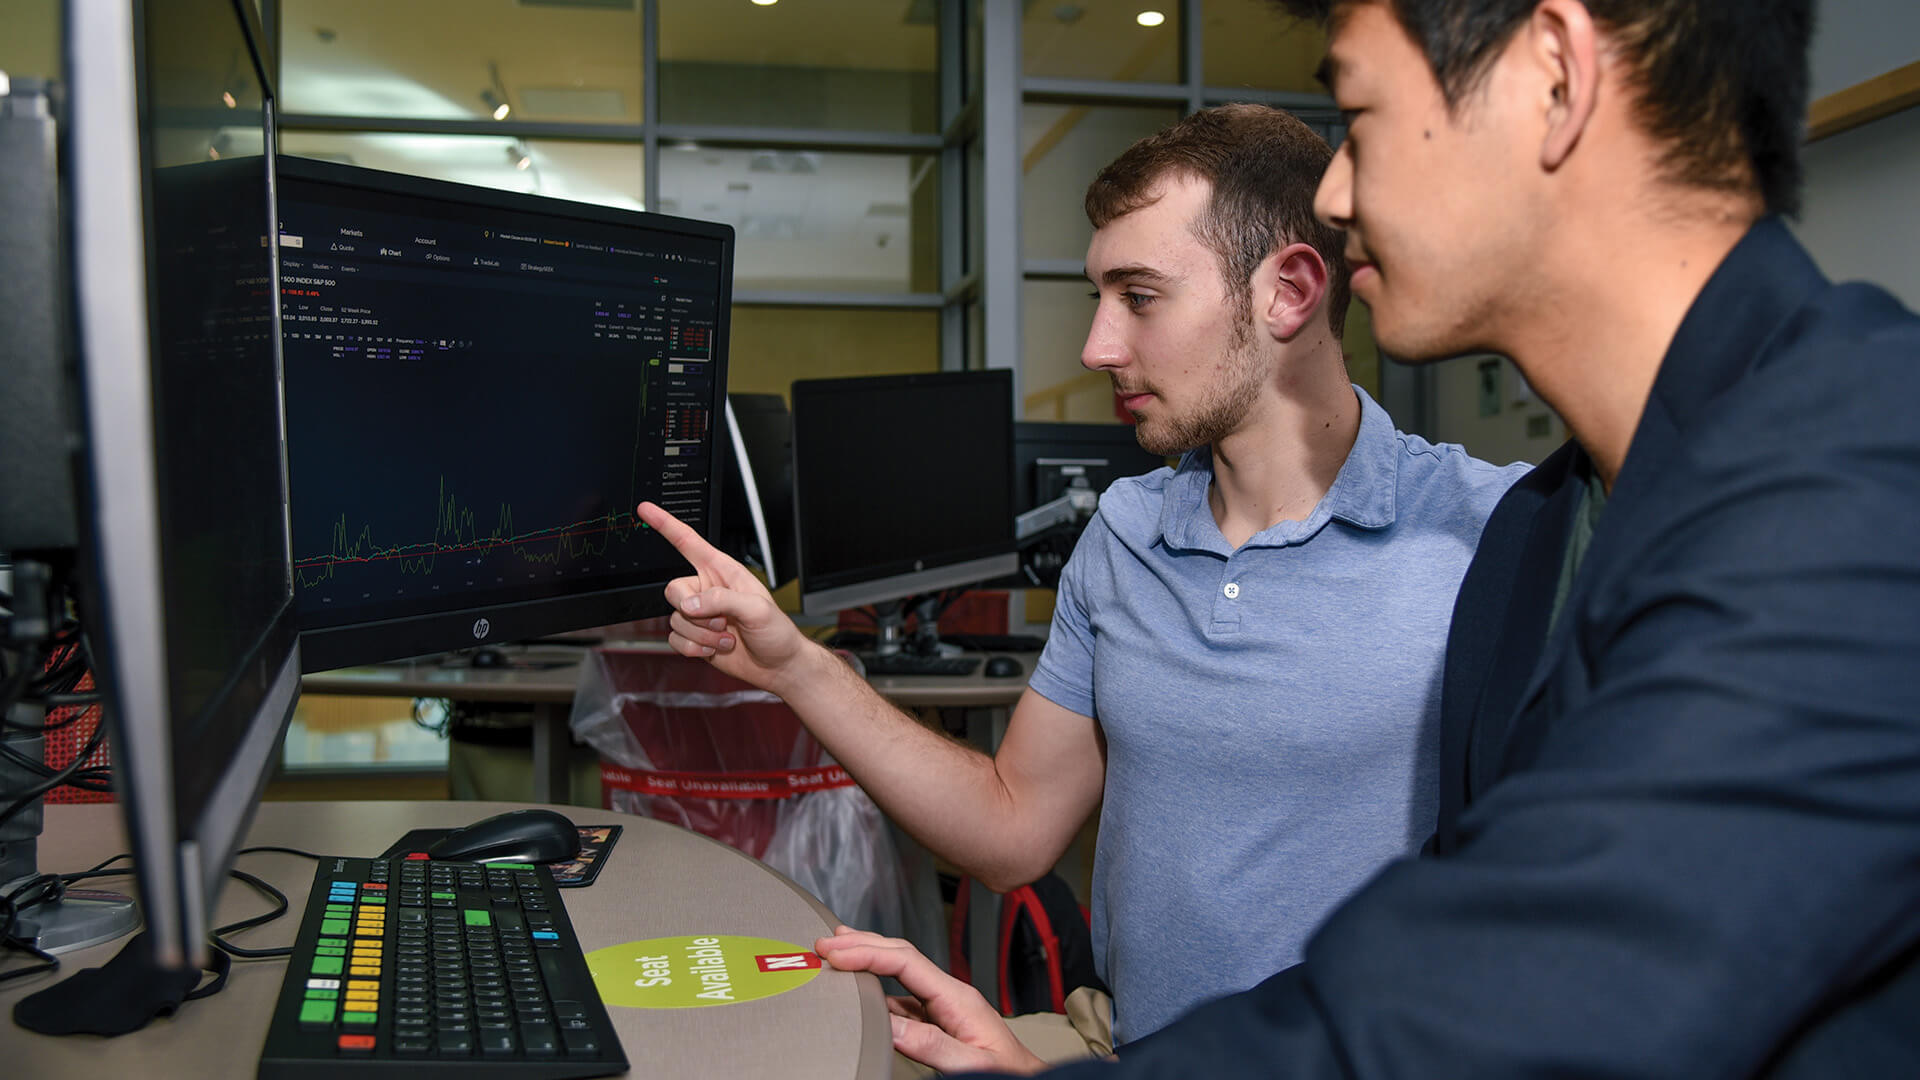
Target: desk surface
{"x":555,"y":684}
{"x":659,"y":881}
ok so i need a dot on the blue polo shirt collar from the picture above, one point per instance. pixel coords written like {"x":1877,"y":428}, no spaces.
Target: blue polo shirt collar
{"x":1361,"y":495}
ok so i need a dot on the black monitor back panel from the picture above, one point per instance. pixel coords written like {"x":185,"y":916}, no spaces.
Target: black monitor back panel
{"x":481,"y":387}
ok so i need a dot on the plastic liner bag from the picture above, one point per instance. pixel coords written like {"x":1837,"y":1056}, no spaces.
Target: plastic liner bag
{"x":681,"y":742}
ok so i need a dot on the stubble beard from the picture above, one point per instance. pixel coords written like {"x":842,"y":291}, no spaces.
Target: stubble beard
{"x":1222,"y":408}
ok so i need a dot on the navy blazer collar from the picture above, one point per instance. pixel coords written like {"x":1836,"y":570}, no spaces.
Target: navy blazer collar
{"x":1754,"y":292}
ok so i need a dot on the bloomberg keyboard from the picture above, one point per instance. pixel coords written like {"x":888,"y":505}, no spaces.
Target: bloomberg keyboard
{"x":407,"y":967}
{"x":914,"y":664}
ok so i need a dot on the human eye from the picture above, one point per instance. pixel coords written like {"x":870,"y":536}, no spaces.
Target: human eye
{"x":1135,"y":300}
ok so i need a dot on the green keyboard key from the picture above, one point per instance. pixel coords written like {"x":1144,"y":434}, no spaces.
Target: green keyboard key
{"x":336,"y":926}
{"x":317,"y":1012}
{"x":327,"y":965}
{"x":323,"y":995}
{"x":359,"y":1018}
{"x":477,"y":917}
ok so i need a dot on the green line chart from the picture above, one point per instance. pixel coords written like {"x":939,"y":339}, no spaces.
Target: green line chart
{"x":458,"y":531}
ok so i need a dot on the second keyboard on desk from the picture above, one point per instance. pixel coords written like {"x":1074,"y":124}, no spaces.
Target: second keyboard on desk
{"x":407,"y":967}
{"x":915,"y":664}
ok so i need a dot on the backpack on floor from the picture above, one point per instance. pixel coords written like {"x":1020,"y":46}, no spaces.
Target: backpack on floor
{"x":1046,"y":949}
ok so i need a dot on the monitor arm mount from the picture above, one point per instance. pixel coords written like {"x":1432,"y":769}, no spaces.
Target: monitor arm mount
{"x":890,"y":626}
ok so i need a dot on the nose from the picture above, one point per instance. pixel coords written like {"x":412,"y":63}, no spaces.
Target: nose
{"x":1106,"y":347}
{"x":1333,"y":202}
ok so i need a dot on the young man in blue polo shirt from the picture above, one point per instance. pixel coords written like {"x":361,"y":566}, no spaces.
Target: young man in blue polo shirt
{"x":1243,"y":671}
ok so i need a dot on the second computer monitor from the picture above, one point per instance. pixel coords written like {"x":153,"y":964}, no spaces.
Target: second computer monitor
{"x":903,"y":485}
{"x":481,"y":387}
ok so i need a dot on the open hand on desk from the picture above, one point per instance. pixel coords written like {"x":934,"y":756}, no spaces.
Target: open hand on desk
{"x":946,"y":1025}
{"x":724,"y":614}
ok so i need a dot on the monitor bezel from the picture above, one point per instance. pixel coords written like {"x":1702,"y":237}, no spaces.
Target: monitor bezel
{"x":850,"y":588}
{"x":325,"y":648}
{"x":181,"y":865}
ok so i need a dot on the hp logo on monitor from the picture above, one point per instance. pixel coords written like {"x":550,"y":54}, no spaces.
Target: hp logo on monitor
{"x":481,"y":628}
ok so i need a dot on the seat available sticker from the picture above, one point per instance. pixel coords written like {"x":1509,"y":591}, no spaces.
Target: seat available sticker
{"x":693,"y":972}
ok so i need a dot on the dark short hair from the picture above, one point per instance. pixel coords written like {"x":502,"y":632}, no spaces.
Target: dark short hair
{"x":1722,"y":83}
{"x":1264,"y":165}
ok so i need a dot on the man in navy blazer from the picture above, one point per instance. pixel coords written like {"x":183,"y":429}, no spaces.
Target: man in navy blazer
{"x":1679,"y":832}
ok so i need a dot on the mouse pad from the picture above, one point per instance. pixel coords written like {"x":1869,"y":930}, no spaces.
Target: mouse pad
{"x":577,"y":872}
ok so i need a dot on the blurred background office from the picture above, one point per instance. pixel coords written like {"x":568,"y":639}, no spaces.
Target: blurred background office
{"x":905,"y":176}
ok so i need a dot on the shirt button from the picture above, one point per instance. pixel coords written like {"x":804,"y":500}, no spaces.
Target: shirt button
{"x":1232,"y":590}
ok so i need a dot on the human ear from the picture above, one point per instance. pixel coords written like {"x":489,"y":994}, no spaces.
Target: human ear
{"x":1289,"y":288}
{"x":1564,"y":44}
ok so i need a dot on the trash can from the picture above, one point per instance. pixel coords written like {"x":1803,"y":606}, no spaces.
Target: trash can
{"x":679,"y":741}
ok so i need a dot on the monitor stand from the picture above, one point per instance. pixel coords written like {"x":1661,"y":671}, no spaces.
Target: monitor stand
{"x":82,"y":917}
{"x":890,"y":626}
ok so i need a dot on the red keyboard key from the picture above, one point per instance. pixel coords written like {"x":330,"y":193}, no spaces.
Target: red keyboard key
{"x":356,"y":1043}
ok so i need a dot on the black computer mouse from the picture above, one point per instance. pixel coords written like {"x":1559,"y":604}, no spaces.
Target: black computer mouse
{"x":540,"y":836}
{"x":1003,"y":667}
{"x":486,"y":656}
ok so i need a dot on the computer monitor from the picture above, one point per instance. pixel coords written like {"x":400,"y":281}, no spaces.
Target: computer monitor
{"x":1060,"y":471}
{"x":481,"y":388}
{"x":1051,"y":459}
{"x":903,"y":485}
{"x":756,"y":515}
{"x":185,"y":579}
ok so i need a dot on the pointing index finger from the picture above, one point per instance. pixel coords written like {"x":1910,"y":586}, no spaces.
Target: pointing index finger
{"x":678,"y":533}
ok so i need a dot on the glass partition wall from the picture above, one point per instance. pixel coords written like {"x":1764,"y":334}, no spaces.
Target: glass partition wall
{"x":904,"y":175}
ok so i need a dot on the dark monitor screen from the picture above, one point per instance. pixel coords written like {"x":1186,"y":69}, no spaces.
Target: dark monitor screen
{"x":187,"y":587}
{"x":756,"y":515}
{"x":481,"y":387}
{"x":902,"y":484}
{"x":1049,"y":458}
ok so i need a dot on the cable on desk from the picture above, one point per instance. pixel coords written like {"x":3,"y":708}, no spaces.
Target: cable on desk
{"x":282,"y":850}
{"x":280,"y":908}
{"x":50,"y":888}
{"x":279,"y":898}
{"x":37,"y":890}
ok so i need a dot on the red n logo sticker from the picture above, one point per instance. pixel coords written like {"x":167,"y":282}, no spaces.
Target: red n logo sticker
{"x":801,"y":961}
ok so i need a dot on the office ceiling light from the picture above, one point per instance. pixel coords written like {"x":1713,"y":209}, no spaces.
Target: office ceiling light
{"x":518,"y":155}
{"x":1149,"y":18}
{"x":495,"y":94}
{"x":765,"y":3}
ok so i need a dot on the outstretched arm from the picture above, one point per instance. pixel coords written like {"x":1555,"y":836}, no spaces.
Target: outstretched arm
{"x":1003,"y":819}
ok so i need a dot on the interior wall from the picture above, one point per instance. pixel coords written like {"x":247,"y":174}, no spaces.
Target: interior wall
{"x":769,"y":346}
{"x":1860,"y":218}
{"x":30,"y":38}
{"x":1855,"y":40}
{"x":1520,"y":427}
